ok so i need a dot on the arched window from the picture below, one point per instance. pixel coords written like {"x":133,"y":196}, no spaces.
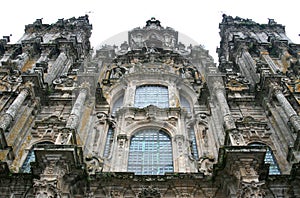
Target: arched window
{"x":117,"y":104}
{"x":193,"y":143}
{"x":26,"y":168}
{"x":109,"y":141}
{"x":150,"y":153}
{"x":269,"y":159}
{"x":184,"y":103}
{"x":151,"y":95}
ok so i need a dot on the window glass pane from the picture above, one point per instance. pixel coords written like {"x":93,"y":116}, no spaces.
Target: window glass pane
{"x":26,"y":165}
{"x":185,"y":104}
{"x":151,"y":95}
{"x":117,"y":105}
{"x":270,"y":159}
{"x":26,"y":168}
{"x":193,"y":143}
{"x":150,"y":153}
{"x":109,"y":141}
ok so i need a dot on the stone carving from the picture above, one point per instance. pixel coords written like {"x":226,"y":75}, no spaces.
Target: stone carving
{"x":253,"y":129}
{"x":94,"y":164}
{"x":46,"y":188}
{"x":122,"y":139}
{"x":180,"y":141}
{"x":89,"y":195}
{"x":149,"y":191}
{"x":65,"y":136}
{"x":206,"y":165}
{"x":63,"y":81}
{"x":115,"y":194}
{"x":251,"y":190}
{"x":204,"y":135}
{"x":77,"y":109}
{"x":185,"y":195}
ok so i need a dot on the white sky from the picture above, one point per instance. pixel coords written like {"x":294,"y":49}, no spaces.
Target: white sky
{"x":197,"y":19}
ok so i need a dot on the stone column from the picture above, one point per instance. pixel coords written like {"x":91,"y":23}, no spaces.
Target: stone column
{"x":288,"y":109}
{"x":22,"y":60}
{"x":229,"y":124}
{"x":275,"y":69}
{"x":129,"y":95}
{"x":228,"y":119}
{"x":43,"y":58}
{"x":252,"y":67}
{"x":56,"y":67}
{"x":73,"y":120}
{"x":181,"y":155}
{"x":120,"y":156}
{"x":10,"y":114}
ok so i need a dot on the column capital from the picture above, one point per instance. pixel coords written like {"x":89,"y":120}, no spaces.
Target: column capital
{"x":275,"y":89}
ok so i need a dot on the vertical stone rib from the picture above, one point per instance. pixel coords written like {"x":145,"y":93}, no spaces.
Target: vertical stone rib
{"x":43,"y":57}
{"x":10,"y":114}
{"x":56,"y":67}
{"x":23,"y":60}
{"x":288,"y":109}
{"x":73,"y":120}
{"x":275,"y":69}
{"x":228,"y":119}
{"x":250,"y":62}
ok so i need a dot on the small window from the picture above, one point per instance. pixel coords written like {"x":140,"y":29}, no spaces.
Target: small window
{"x":117,"y":105}
{"x":151,"y":95}
{"x":269,"y":159}
{"x":150,"y":153}
{"x":184,"y":103}
{"x":193,"y":143}
{"x":26,"y":168}
{"x":109,"y":141}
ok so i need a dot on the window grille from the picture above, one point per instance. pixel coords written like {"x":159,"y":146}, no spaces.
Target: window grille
{"x":151,"y":95}
{"x":150,"y":153}
{"x":185,"y":104}
{"x":270,"y":159}
{"x":109,"y":141}
{"x":193,"y":143}
{"x":117,"y":105}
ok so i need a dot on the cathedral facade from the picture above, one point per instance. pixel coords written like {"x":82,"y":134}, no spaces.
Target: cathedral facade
{"x":153,"y":117}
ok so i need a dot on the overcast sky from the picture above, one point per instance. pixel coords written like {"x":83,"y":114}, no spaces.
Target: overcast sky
{"x":195,"y":18}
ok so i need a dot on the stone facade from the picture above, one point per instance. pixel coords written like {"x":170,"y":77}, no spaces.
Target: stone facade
{"x":151,"y":117}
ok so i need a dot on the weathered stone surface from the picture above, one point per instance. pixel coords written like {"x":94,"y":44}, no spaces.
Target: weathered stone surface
{"x":201,"y":130}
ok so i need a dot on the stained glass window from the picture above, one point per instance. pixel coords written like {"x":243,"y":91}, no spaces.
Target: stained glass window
{"x":150,"y":153}
{"x":151,"y":95}
{"x":270,"y":159}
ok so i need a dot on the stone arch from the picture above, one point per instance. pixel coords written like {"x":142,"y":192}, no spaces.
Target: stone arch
{"x":114,"y":93}
{"x":169,"y":193}
{"x":150,"y":152}
{"x":187,"y":92}
{"x":167,"y":127}
{"x":129,"y":193}
{"x":198,"y":192}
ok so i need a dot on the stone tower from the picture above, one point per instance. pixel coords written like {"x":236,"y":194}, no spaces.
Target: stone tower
{"x":153,"y":117}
